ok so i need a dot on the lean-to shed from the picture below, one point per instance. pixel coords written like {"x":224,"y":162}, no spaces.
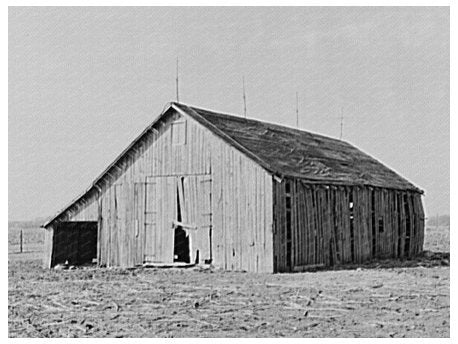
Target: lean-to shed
{"x":202,"y":187}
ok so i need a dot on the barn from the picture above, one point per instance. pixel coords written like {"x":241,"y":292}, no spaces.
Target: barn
{"x":200,"y":187}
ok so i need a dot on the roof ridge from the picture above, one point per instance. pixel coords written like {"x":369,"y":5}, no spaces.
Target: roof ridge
{"x":238,"y":117}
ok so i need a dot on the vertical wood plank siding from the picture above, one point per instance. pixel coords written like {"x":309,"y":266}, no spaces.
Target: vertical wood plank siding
{"x":328,"y":230}
{"x":241,"y":215}
{"x":242,"y":212}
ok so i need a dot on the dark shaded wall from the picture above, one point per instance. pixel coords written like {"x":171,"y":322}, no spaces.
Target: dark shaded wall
{"x":331,"y":225}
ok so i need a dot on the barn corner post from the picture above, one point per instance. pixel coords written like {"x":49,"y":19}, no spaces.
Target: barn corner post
{"x":420,"y":212}
{"x":279,"y":254}
{"x":48,"y":247}
{"x":99,"y":224}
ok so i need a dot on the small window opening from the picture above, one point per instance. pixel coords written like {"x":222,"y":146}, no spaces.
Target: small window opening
{"x":288,"y":187}
{"x":380,"y":225}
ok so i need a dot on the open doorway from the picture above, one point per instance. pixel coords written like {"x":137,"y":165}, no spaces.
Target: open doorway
{"x":185,"y":203}
{"x":75,"y":242}
{"x":181,"y":240}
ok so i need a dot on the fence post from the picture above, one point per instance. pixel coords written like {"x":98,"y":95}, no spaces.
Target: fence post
{"x":20,"y":240}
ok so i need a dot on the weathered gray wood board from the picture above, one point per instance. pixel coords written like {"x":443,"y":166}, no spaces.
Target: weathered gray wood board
{"x":332,"y":225}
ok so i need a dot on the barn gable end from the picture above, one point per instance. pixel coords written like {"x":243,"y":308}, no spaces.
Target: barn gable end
{"x":174,"y":151}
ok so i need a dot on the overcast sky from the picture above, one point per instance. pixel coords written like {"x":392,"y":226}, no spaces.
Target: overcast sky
{"x":84,"y":82}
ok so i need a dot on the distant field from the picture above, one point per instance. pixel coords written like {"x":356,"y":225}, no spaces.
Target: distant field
{"x":30,"y":235}
{"x":437,"y":239}
{"x":32,"y":246}
{"x":381,"y":299}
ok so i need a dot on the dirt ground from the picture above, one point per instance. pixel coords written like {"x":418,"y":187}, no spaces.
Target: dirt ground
{"x":380,"y":299}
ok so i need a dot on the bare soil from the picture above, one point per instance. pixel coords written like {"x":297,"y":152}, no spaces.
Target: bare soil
{"x":379,"y":299}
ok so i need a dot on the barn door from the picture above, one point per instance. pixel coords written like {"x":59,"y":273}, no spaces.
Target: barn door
{"x":178,"y":219}
{"x":194,"y":201}
{"x":160,"y":211}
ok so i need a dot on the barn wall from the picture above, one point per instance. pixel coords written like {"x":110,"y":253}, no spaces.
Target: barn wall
{"x":241,"y":198}
{"x":316,"y":225}
{"x":242,"y":211}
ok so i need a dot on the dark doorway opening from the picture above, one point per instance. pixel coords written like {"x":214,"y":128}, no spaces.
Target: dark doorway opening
{"x":181,"y":242}
{"x":75,"y":243}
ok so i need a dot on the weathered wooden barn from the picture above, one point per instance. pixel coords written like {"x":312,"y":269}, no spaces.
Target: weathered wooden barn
{"x":203,"y":187}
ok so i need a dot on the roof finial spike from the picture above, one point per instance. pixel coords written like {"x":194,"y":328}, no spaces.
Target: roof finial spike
{"x":178,"y":97}
{"x":341,"y":122}
{"x":297,"y":110}
{"x":244,"y":96}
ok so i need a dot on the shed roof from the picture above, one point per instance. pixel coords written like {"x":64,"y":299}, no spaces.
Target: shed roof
{"x":296,"y":153}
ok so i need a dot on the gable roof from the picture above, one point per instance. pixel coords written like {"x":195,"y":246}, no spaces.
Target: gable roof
{"x":282,"y":151}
